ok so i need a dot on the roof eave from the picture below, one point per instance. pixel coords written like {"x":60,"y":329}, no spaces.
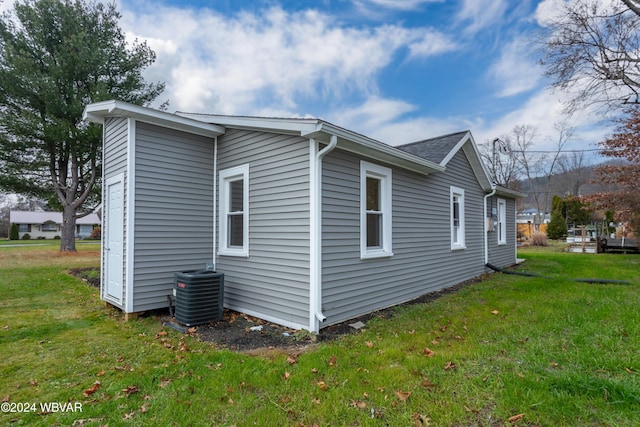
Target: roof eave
{"x":97,"y":112}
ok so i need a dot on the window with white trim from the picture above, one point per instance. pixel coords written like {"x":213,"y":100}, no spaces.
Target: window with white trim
{"x":375,"y":211}
{"x":502,"y":222}
{"x":457,"y":218}
{"x":234,"y":211}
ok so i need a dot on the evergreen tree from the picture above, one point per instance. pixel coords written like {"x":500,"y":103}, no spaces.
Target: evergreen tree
{"x":57,"y":56}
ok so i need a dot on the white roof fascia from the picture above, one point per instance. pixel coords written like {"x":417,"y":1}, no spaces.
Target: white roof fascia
{"x":97,"y":112}
{"x":322,"y":131}
{"x":470,"y":149}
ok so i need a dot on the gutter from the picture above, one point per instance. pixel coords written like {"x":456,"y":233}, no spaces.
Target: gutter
{"x":484,"y":220}
{"x":316,"y":315}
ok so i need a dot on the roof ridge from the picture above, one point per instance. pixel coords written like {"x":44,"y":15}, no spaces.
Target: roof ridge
{"x":434,"y":138}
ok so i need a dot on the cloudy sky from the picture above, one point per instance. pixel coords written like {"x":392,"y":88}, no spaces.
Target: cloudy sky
{"x":394,"y":70}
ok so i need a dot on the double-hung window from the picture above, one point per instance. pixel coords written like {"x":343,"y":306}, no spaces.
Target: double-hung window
{"x":375,"y":211}
{"x":234,"y":211}
{"x":502,"y":222}
{"x":457,"y":218}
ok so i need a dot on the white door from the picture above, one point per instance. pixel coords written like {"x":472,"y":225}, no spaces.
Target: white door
{"x":113,"y":233}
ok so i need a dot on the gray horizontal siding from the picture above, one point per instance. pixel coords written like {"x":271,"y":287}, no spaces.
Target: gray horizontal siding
{"x":503,"y":255}
{"x":423,"y":260}
{"x":174,"y":210}
{"x":274,"y":280}
{"x":114,"y":162}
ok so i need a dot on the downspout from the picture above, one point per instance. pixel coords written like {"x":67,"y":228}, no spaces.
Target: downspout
{"x":215,"y":195}
{"x":486,"y":230}
{"x":316,"y":231}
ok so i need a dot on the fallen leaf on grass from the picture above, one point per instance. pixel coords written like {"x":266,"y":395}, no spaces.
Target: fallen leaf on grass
{"x":495,"y":312}
{"x":358,"y":404}
{"x":449,"y":366}
{"x":130,"y":390}
{"x":322,"y":385}
{"x":164,"y":382}
{"x":143,"y":409}
{"x":95,"y":387}
{"x":428,"y":352}
{"x":5,"y":399}
{"x":192,"y":330}
{"x":515,"y":418}
{"x":369,"y":344}
{"x":291,"y":360}
{"x":421,"y":420}
{"x":162,"y":334}
{"x":100,"y":374}
{"x":332,"y":361}
{"x":287,"y":375}
{"x":403,"y":395}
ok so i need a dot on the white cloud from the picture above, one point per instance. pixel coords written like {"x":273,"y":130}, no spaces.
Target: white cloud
{"x":272,"y":60}
{"x":480,"y":14}
{"x":393,"y":4}
{"x":514,"y":71}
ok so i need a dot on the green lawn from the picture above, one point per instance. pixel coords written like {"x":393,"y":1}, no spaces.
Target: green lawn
{"x":510,"y":350}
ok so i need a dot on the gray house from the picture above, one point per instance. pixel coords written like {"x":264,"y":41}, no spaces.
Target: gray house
{"x":312,"y":224}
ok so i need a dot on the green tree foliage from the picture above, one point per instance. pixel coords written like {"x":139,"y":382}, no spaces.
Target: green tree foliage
{"x":13,"y":232}
{"x":557,"y":227}
{"x":57,"y":56}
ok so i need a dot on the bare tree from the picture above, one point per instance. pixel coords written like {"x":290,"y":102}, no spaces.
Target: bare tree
{"x":574,"y":173}
{"x":538,"y":166}
{"x":592,"y":50}
{"x":503,"y":167}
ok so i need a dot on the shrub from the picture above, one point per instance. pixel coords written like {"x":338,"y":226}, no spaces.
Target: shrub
{"x":26,"y":236}
{"x":13,"y":232}
{"x":56,"y":237}
{"x":96,"y":233}
{"x":539,"y":239}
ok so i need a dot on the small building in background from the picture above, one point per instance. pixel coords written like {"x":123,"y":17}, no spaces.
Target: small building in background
{"x":47,"y":225}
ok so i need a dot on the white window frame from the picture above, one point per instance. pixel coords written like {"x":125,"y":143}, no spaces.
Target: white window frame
{"x":370,"y":170}
{"x":228,"y":176}
{"x":502,"y":222}
{"x":457,"y":235}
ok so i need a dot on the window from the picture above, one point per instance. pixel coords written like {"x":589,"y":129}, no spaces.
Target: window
{"x":502,"y":222}
{"x":234,"y":211}
{"x":457,"y":218}
{"x":24,"y":228}
{"x":49,"y":226}
{"x":375,"y":211}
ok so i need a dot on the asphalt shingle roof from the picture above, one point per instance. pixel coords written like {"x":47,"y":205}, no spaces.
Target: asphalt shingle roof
{"x":434,"y":149}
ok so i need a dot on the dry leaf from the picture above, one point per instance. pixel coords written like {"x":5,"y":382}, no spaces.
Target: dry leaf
{"x":95,"y":387}
{"x":427,"y":383}
{"x":450,"y":365}
{"x":403,"y":395}
{"x":358,"y":404}
{"x":369,"y":344}
{"x":515,"y":418}
{"x":5,"y":399}
{"x":322,"y":385}
{"x":495,"y":312}
{"x":428,"y":352}
{"x":99,"y":374}
{"x":164,"y":383}
{"x":421,"y":420}
{"x":34,"y":383}
{"x":287,"y":375}
{"x":143,"y":409}
{"x":332,"y":361}
{"x":292,"y":360}
{"x":192,"y":330}
{"x":130,"y":390}
{"x":162,"y":334}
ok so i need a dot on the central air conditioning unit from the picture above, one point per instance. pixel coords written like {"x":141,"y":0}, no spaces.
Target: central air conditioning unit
{"x":199,"y":296}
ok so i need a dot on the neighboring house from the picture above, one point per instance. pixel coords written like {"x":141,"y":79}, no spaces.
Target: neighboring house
{"x":47,"y":225}
{"x":311,"y":224}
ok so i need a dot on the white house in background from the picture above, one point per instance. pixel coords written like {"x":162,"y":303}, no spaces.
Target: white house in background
{"x":47,"y":225}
